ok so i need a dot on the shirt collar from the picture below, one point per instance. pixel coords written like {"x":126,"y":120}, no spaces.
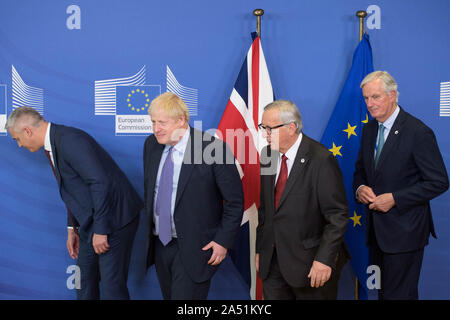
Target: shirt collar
{"x":390,"y":121}
{"x":292,"y":151}
{"x":47,"y":143}
{"x":181,"y":145}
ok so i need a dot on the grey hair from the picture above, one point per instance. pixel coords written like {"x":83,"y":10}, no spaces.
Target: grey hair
{"x":388,"y":81}
{"x":289,"y":113}
{"x":27,"y":114}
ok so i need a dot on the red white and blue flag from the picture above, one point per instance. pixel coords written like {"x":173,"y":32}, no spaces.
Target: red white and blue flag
{"x":239,"y":129}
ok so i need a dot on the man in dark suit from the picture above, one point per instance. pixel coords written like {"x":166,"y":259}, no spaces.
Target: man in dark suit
{"x":194,"y":198}
{"x":303,"y":214}
{"x":399,"y":169}
{"x":103,"y":207}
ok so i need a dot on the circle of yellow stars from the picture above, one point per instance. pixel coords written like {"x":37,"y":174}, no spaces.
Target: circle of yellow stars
{"x":138,"y":91}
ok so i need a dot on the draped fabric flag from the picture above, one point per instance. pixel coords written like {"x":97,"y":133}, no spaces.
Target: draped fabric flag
{"x":343,"y":137}
{"x":239,"y":129}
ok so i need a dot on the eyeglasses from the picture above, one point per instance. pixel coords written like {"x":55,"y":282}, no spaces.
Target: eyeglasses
{"x":269,"y":129}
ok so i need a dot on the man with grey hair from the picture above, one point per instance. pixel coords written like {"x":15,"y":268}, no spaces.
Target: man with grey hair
{"x":103,"y":207}
{"x":399,"y":169}
{"x":303,"y":214}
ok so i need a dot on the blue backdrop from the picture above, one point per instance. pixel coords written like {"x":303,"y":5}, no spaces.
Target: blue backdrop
{"x":64,"y":58}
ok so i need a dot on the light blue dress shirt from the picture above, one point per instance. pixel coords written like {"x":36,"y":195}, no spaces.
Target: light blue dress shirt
{"x":178,"y":155}
{"x":387,"y":126}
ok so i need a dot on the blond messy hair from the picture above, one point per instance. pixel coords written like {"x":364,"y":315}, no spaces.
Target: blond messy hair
{"x":171,"y":104}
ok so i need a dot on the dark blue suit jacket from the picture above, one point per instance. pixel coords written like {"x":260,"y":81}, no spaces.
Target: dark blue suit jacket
{"x":209,"y":202}
{"x":95,"y":190}
{"x":411,"y":167}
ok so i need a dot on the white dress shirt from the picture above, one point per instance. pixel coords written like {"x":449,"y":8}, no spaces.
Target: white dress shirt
{"x":47,"y":144}
{"x":387,"y":125}
{"x":290,"y":154}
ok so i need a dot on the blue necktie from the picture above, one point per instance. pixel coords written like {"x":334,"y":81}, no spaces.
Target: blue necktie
{"x":380,"y":143}
{"x":164,"y":200}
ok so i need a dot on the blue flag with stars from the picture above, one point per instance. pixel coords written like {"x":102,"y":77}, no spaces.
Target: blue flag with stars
{"x":342,"y":137}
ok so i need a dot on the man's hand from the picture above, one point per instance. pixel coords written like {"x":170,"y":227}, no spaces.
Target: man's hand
{"x":219,"y":253}
{"x":319,"y":274}
{"x":366,"y":195}
{"x":384,"y":202}
{"x":100,"y":243}
{"x":73,"y":243}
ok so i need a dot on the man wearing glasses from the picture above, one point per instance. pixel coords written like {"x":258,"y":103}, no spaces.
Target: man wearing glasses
{"x":303,"y":214}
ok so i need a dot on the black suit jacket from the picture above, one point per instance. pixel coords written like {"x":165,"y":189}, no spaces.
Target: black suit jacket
{"x":311,"y":218}
{"x":411,"y":167}
{"x":96,"y":191}
{"x":209,"y":203}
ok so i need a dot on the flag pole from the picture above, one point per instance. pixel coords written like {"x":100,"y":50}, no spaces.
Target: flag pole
{"x":256,"y":287}
{"x":258,"y":13}
{"x":361,"y":14}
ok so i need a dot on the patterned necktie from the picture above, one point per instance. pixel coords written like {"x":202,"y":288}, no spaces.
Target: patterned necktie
{"x":164,"y":200}
{"x":281,"y":182}
{"x":380,"y":143}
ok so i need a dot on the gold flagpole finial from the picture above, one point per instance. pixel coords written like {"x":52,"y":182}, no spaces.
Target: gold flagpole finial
{"x":361,"y":14}
{"x":258,"y":13}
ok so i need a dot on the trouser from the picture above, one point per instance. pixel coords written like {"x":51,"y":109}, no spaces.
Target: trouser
{"x":275,"y":287}
{"x":400,"y":273}
{"x":107,"y":272}
{"x":175,"y":283}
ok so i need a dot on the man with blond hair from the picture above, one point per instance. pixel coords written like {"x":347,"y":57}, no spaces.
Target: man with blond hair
{"x":399,"y":169}
{"x":194,"y":199}
{"x":103,"y":207}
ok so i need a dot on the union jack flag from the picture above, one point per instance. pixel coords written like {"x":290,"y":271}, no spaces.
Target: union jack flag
{"x":239,"y":129}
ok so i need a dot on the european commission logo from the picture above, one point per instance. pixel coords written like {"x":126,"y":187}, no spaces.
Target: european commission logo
{"x":2,"y":109}
{"x":25,"y":95}
{"x":444,"y":103}
{"x":128,"y":100}
{"x":189,"y":95}
{"x":132,"y":104}
{"x":22,"y":95}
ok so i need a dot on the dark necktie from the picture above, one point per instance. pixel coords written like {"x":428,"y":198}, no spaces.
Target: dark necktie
{"x":164,"y":200}
{"x":51,"y":162}
{"x":281,"y":182}
{"x":54,"y":172}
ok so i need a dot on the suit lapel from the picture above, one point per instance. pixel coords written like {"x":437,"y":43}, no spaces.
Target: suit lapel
{"x":53,"y":133}
{"x":368,"y":144}
{"x":372,"y":136}
{"x":155,"y":159}
{"x":301,"y":159}
{"x":187,"y":167}
{"x":268,"y":170}
{"x":392,"y":139}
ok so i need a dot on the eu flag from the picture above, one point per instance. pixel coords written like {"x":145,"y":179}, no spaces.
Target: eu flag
{"x":135,"y":100}
{"x":343,"y":137}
